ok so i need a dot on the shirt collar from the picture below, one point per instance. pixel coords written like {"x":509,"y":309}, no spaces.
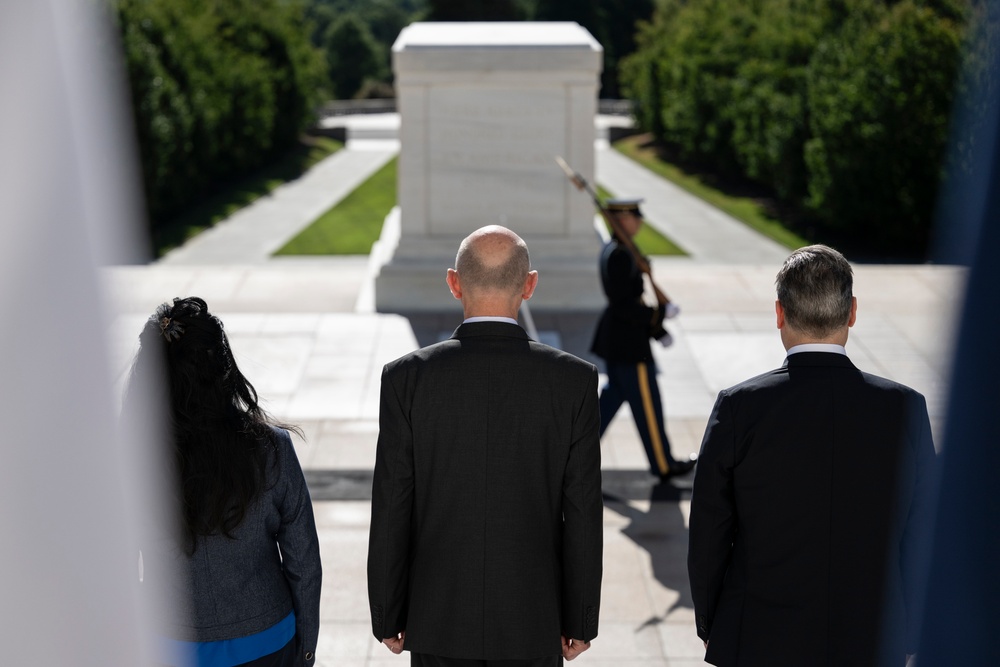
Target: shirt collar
{"x":817,"y":347}
{"x":508,"y":320}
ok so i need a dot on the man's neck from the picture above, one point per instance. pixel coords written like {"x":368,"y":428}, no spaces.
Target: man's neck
{"x":492,"y":308}
{"x":791,"y":338}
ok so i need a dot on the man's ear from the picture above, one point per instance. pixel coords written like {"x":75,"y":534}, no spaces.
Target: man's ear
{"x":530,"y":283}
{"x":854,"y":312}
{"x":454,"y":284}
{"x":779,"y":313}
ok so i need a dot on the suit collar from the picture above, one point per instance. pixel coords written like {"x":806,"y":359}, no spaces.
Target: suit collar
{"x":470,"y":329}
{"x":828,"y":359}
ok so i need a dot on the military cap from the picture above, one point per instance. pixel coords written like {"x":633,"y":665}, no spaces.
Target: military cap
{"x":625,"y":205}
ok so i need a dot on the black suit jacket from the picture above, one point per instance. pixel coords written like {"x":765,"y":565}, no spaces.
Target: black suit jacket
{"x":809,"y":501}
{"x":627,"y":324}
{"x":486,"y":531}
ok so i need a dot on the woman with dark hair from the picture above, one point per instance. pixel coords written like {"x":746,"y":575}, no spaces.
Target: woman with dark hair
{"x":245,"y":549}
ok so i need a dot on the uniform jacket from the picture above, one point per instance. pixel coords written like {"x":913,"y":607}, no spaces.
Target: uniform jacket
{"x":810,"y":500}
{"x":627,"y":324}
{"x":486,"y":530}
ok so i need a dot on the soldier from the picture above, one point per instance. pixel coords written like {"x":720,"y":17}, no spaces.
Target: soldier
{"x":622,"y":340}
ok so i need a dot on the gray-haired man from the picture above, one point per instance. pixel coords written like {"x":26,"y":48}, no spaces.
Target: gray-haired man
{"x":810,"y":500}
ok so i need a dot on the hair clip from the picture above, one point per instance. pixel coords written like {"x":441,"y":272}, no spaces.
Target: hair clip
{"x":170,"y":329}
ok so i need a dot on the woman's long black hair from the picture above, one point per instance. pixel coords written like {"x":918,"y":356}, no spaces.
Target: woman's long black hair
{"x":220,"y":434}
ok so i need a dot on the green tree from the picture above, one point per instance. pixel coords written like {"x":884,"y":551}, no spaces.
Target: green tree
{"x":383,"y":19}
{"x":477,"y":10}
{"x":617,"y":35}
{"x":768,"y":104}
{"x":217,"y":89}
{"x":585,"y":12}
{"x":880,"y":94}
{"x":353,"y":56}
{"x":611,"y":22}
{"x":840,"y":107}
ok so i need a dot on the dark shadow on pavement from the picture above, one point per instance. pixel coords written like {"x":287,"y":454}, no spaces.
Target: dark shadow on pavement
{"x":662,"y":533}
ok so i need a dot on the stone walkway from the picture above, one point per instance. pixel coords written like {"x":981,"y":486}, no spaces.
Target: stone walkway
{"x":254,"y":233}
{"x":303,"y":336}
{"x":703,"y":231}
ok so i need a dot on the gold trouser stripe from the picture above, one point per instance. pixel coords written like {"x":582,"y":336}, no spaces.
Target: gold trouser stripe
{"x":654,"y":428}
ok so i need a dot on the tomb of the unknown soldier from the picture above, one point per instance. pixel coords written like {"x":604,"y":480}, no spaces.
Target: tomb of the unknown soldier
{"x":484,"y":109}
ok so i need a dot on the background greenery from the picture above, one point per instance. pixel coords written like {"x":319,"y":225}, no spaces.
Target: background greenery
{"x":218,"y":90}
{"x":353,"y":225}
{"x":831,"y":115}
{"x":240,"y":192}
{"x":838,"y":108}
{"x":361,"y":32}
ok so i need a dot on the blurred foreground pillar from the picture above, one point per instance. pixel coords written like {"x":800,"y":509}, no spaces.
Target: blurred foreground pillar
{"x":68,"y":562}
{"x":962,"y":619}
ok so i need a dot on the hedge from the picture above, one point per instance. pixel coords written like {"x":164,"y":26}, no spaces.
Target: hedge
{"x":218,"y":89}
{"x":840,"y":107}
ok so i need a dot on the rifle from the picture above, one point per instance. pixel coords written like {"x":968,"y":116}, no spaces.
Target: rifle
{"x":581,"y":184}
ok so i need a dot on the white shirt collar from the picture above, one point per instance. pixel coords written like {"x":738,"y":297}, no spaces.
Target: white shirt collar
{"x":817,"y":347}
{"x":508,"y":320}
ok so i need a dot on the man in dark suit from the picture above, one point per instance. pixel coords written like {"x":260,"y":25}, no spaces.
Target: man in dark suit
{"x":486,"y":529}
{"x":811,"y":496}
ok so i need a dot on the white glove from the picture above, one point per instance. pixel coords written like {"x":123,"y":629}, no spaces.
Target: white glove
{"x":672,"y":310}
{"x":666,"y":340}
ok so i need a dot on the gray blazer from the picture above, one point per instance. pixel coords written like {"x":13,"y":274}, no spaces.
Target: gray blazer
{"x":486,"y":532}
{"x":236,"y":587}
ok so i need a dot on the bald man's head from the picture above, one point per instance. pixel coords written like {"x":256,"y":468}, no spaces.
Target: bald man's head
{"x":493,"y":259}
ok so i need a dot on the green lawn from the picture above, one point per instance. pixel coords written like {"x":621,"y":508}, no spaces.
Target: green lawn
{"x":648,"y":240}
{"x":353,"y":225}
{"x":231,"y":199}
{"x":744,"y":209}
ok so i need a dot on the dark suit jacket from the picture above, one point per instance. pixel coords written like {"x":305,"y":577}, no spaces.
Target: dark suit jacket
{"x":809,"y":500}
{"x":486,"y":531}
{"x":627,"y":324}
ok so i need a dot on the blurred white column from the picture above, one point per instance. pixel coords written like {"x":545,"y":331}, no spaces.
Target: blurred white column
{"x":68,"y":201}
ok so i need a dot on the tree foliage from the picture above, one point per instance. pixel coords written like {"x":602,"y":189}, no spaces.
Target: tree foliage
{"x":611,"y":22}
{"x":880,"y":93}
{"x":478,"y":10}
{"x":217,"y":89}
{"x":353,"y":55}
{"x":841,"y":107}
{"x":375,"y":24}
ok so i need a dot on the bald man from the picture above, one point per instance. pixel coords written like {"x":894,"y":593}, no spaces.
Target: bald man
{"x":486,"y":528}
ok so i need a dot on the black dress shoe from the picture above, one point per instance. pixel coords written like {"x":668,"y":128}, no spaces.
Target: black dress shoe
{"x":678,"y":468}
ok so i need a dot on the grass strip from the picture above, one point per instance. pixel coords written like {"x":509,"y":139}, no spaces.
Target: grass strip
{"x":223,"y":204}
{"x":745,"y":209}
{"x":351,"y":226}
{"x":648,"y":240}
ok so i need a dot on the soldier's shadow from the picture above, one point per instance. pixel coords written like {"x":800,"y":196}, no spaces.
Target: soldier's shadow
{"x":662,"y":533}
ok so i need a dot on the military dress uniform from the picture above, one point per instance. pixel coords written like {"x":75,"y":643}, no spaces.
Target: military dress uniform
{"x":622,"y":340}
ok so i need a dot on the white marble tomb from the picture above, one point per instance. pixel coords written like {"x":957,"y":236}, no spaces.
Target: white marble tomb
{"x":484,"y":110}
